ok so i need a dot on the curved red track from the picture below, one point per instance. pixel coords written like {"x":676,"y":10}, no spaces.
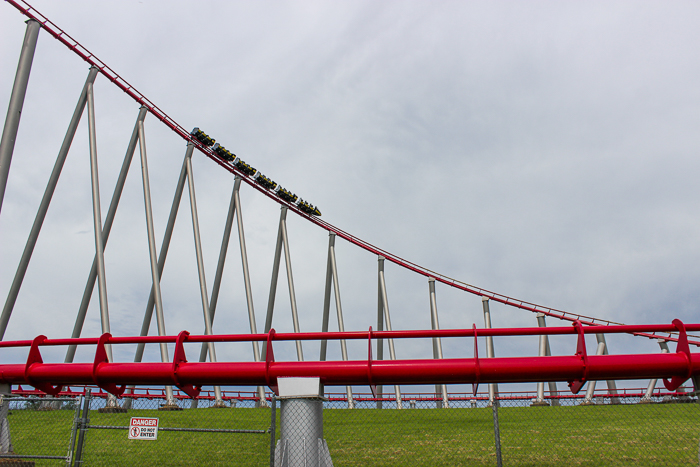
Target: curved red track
{"x":51,"y":28}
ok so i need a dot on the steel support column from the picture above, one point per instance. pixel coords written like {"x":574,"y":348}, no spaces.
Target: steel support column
{"x":107,"y":227}
{"x":437,"y":342}
{"x":97,"y":218}
{"x":248,"y":290}
{"x":380,"y":327}
{"x":44,"y":206}
{"x":490,"y":353}
{"x":200,"y":268}
{"x":155,"y":276}
{"x":163,"y":254}
{"x":602,"y":349}
{"x":283,"y":243}
{"x":387,"y":319}
{"x":332,"y":276}
{"x":590,"y":390}
{"x":652,"y":383}
{"x":14,"y":109}
{"x":547,"y":352}
{"x":222,"y":260}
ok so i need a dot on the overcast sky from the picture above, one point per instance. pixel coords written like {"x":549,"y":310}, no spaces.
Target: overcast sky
{"x":542,"y":150}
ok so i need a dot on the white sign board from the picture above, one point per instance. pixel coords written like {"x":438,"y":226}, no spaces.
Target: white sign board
{"x":143,"y":428}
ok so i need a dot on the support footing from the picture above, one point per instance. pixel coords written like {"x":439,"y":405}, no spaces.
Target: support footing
{"x":170,"y":407}
{"x":114,"y":409}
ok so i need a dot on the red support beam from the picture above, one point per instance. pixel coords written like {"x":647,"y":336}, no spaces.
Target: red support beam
{"x":190,"y":376}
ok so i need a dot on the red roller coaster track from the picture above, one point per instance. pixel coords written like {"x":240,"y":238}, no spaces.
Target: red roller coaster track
{"x":51,"y":28}
{"x":189,"y":377}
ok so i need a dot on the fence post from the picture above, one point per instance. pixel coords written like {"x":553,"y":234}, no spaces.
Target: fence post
{"x":74,"y":432}
{"x":5,"y":438}
{"x":497,"y":433}
{"x":84,"y":420}
{"x":273,"y":428}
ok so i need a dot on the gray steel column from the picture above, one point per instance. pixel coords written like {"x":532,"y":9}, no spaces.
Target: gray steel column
{"x":612,"y":386}
{"x":200,"y":268}
{"x":44,"y":206}
{"x":14,"y":109}
{"x":339,"y":311}
{"x":273,"y":283}
{"x":652,"y":383}
{"x":437,"y":342}
{"x":248,"y":290}
{"x":552,"y":384}
{"x":290,"y":281}
{"x":106,"y":228}
{"x":387,"y":319}
{"x":493,"y":387}
{"x":542,"y":353}
{"x":160,"y":320}
{"x":380,"y":325}
{"x":327,"y":298}
{"x":162,"y":255}
{"x":220,"y":266}
{"x":283,"y":242}
{"x":97,"y":217}
{"x":590,"y":390}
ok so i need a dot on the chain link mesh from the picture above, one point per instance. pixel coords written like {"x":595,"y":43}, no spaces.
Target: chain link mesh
{"x":211,"y":434}
{"x":37,"y":431}
{"x":609,"y":431}
{"x":427,"y":431}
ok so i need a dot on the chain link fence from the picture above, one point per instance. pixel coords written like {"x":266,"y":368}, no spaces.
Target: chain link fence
{"x":37,"y":431}
{"x":620,"y":430}
{"x":211,"y":434}
{"x":518,"y":431}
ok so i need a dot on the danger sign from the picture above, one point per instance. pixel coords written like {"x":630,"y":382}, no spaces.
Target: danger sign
{"x":143,"y":428}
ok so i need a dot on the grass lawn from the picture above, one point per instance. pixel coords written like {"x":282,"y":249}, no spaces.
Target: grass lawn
{"x":621,"y":435}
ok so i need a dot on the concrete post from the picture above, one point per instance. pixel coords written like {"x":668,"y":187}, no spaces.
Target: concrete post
{"x":301,"y":440}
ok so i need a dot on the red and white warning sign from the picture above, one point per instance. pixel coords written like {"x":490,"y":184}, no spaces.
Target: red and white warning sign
{"x":143,"y":428}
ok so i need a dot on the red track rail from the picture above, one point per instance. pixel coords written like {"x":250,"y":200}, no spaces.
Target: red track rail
{"x":189,"y":377}
{"x":30,"y":12}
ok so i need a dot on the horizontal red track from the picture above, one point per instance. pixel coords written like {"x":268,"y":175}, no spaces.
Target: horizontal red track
{"x":51,"y":28}
{"x":359,"y":372}
{"x":576,"y":369}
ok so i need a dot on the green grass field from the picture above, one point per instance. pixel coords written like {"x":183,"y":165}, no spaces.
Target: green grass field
{"x":622,"y":435}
